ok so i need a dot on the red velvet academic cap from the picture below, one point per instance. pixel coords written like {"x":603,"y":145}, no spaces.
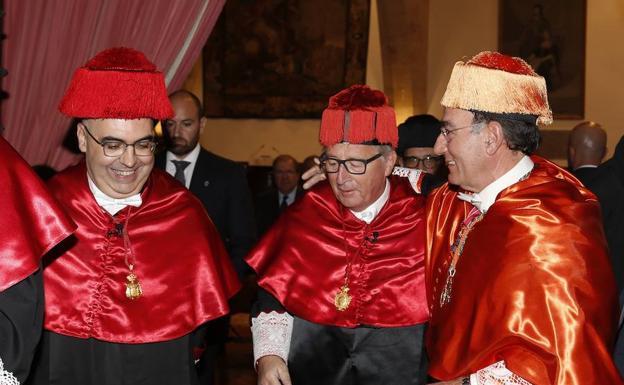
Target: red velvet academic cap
{"x":359,"y":115}
{"x":118,"y":83}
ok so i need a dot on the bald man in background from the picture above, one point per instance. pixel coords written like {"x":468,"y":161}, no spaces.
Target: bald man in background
{"x":587,"y":147}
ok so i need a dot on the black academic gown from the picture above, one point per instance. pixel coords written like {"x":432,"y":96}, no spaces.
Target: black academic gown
{"x":301,"y":263}
{"x":94,"y":334}
{"x":21,"y":316}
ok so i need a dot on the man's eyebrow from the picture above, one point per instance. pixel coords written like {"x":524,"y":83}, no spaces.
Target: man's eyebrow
{"x":112,"y":138}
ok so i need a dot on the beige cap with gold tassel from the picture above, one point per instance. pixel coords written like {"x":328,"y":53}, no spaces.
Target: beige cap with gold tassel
{"x":496,"y":83}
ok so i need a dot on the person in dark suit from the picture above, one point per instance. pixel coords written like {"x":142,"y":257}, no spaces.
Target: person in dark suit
{"x":587,"y":146}
{"x":612,"y":206}
{"x":270,"y":203}
{"x":608,"y":186}
{"x":221,"y":186}
{"x":219,"y":183}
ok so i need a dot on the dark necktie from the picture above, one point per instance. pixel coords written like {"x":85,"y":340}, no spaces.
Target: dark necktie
{"x":180,"y":165}
{"x":284,"y":203}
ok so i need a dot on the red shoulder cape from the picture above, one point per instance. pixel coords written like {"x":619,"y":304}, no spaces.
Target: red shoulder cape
{"x":31,"y":222}
{"x":533,"y":286}
{"x":181,"y":264}
{"x":302,"y":260}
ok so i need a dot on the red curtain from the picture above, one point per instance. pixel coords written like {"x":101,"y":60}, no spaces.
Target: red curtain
{"x":47,"y":40}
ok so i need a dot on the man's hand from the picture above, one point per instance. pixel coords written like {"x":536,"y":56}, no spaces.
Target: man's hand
{"x":272,"y":370}
{"x":313,"y":175}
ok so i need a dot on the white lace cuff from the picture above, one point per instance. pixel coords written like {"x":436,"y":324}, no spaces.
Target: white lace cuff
{"x":497,"y":374}
{"x":413,"y":175}
{"x":7,"y":378}
{"x":271,"y":333}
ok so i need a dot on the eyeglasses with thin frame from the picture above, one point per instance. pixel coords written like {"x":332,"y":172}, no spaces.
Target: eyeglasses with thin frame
{"x":446,"y":131}
{"x":353,"y":166}
{"x":429,"y":161}
{"x":115,"y":148}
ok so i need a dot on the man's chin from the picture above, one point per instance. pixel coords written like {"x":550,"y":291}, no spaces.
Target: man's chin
{"x":180,"y":150}
{"x":350,"y":202}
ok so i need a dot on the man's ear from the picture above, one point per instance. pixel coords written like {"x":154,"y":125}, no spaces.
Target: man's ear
{"x":202,"y":124}
{"x":82,"y":137}
{"x":390,"y":159}
{"x":494,"y":137}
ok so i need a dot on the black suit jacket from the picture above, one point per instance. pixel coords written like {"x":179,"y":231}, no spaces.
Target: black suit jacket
{"x":221,"y":186}
{"x":587,"y":175}
{"x":609,"y":189}
{"x":267,"y":208}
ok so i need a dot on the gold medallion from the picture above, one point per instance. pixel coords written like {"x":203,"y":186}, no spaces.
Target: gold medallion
{"x":342,"y":299}
{"x":133,"y":287}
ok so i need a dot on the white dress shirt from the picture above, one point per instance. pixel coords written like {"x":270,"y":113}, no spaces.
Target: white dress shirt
{"x":368,"y":214}
{"x":486,"y":197}
{"x":191,"y":157}
{"x":113,"y":205}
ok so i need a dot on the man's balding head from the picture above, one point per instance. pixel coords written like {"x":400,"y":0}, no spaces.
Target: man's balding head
{"x":183,"y":130}
{"x":587,"y":145}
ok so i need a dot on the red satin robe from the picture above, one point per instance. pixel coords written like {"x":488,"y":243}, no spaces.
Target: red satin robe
{"x":302,"y":259}
{"x":181,"y":264}
{"x":31,"y":224}
{"x":533,"y":286}
{"x":31,"y":221}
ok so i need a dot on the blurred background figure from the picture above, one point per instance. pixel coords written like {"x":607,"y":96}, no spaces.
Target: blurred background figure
{"x":221,"y":186}
{"x":219,"y":183}
{"x":417,"y":135}
{"x":587,"y":146}
{"x":271,"y":202}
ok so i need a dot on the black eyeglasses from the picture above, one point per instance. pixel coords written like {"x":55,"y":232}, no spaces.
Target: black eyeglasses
{"x":449,"y":132}
{"x":353,"y":166}
{"x":115,"y":148}
{"x":428,"y":161}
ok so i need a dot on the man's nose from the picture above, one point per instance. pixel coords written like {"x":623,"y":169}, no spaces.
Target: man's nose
{"x":342,"y":174}
{"x":128,"y":158}
{"x":440,"y":146}
{"x":173,"y":130}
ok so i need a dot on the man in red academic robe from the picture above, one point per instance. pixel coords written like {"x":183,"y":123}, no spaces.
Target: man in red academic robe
{"x":125,"y":301}
{"x":519,"y":283}
{"x":31,"y":224}
{"x":341,"y":272}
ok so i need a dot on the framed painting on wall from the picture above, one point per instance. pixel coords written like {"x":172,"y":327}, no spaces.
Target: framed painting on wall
{"x":550,"y":36}
{"x":283,"y":58}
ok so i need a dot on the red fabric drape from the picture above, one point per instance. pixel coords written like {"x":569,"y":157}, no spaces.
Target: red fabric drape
{"x":47,"y":40}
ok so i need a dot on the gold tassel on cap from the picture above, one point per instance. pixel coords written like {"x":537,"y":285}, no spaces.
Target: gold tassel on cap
{"x":496,"y":83}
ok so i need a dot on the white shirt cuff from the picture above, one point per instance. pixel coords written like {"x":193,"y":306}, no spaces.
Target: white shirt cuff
{"x":6,"y":377}
{"x":497,"y":374}
{"x":272,"y":333}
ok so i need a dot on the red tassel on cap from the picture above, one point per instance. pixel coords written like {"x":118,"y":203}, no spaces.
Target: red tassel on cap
{"x":386,"y":127}
{"x":361,"y":126}
{"x":118,"y":83}
{"x":370,"y":118}
{"x":332,"y":127}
